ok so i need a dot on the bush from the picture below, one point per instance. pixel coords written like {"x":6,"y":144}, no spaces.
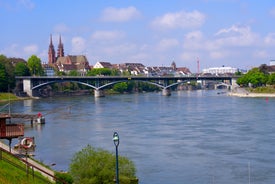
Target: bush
{"x":92,"y":166}
{"x":63,"y":177}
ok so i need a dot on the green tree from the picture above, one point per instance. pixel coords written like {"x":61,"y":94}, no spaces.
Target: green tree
{"x":60,"y":73}
{"x":73,"y":73}
{"x":21,"y":69}
{"x":115,"y":72}
{"x":34,"y":64}
{"x":93,"y":166}
{"x":121,"y":87}
{"x":99,"y":71}
{"x":255,"y":77}
{"x":271,"y":79}
{"x":3,"y":78}
{"x":8,"y":79}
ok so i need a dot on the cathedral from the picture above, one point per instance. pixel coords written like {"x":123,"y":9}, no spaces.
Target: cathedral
{"x":51,"y":54}
{"x":67,"y":63}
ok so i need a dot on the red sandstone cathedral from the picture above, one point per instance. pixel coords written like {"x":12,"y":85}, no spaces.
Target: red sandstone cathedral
{"x":67,"y":63}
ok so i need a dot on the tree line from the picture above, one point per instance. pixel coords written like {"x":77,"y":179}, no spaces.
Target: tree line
{"x":257,"y":77}
{"x":11,"y":67}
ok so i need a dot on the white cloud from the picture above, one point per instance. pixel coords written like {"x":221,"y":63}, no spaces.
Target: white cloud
{"x":167,"y":43}
{"x":26,"y":3}
{"x":78,"y":45}
{"x":236,"y":36}
{"x":111,"y":14}
{"x":43,"y":55}
{"x":270,"y":39}
{"x":12,"y":50}
{"x":107,"y":35}
{"x":30,"y":49}
{"x":189,"y":56}
{"x":184,"y":20}
{"x":218,"y":54}
{"x":260,"y":54}
{"x":272,"y":12}
{"x":16,"y":50}
{"x":119,"y":49}
{"x":193,"y":40}
{"x":61,"y":28}
{"x":16,"y":5}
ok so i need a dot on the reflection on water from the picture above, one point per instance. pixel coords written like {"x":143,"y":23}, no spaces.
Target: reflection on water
{"x":190,"y":137}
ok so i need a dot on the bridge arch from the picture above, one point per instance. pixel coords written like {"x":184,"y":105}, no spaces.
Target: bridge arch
{"x":228,"y":86}
{"x":61,"y":81}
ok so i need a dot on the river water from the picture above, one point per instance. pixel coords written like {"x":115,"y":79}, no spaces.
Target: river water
{"x":190,"y":137}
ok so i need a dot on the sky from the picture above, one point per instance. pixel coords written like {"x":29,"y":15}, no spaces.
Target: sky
{"x":196,"y":34}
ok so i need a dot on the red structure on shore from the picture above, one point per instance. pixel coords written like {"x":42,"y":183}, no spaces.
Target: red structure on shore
{"x":10,"y":131}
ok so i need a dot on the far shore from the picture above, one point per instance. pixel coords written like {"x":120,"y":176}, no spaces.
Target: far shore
{"x":254,"y":95}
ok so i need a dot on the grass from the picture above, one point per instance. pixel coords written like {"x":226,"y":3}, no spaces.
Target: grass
{"x":264,"y":89}
{"x":8,"y":96}
{"x":11,"y":174}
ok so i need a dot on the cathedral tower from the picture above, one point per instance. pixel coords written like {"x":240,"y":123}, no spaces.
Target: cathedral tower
{"x":60,"y":50}
{"x":51,"y":53}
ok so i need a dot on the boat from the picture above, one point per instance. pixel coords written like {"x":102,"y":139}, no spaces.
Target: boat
{"x":40,"y":120}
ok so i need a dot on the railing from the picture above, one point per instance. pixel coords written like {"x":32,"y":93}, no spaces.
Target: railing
{"x":12,"y":130}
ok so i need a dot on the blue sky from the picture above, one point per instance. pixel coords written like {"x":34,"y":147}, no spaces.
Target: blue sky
{"x":236,"y":33}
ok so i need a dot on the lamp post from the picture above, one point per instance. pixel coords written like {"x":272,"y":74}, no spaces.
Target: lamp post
{"x":116,"y":143}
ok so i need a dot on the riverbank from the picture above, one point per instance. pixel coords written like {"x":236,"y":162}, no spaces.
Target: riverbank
{"x":241,"y":92}
{"x":6,"y":97}
{"x":252,"y":95}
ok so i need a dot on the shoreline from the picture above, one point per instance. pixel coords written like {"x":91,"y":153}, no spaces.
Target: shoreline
{"x":252,"y":95}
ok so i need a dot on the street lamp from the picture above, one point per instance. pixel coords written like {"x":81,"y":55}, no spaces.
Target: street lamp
{"x":116,"y":143}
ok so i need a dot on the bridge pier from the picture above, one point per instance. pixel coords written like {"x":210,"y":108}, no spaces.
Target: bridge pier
{"x":166,"y":92}
{"x":27,"y":87}
{"x":99,"y":93}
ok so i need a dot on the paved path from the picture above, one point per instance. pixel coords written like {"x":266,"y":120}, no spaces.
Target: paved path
{"x":37,"y":166}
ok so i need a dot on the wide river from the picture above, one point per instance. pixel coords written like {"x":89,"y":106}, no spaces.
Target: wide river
{"x":190,"y":137}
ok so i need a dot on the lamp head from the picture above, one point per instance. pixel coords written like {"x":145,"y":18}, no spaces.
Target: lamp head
{"x":116,"y":138}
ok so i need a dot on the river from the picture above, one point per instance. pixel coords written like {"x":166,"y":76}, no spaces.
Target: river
{"x":190,"y":137}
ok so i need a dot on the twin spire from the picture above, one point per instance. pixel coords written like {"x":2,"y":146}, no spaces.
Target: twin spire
{"x":60,"y":51}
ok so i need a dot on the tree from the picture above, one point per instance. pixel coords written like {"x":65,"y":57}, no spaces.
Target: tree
{"x":73,"y":73}
{"x":34,"y":64}
{"x":93,"y":166}
{"x":21,"y":69}
{"x":255,"y":77}
{"x":120,"y":87}
{"x":99,"y":71}
{"x":7,"y":74}
{"x":3,"y":78}
{"x":263,"y":69}
{"x":271,"y":79}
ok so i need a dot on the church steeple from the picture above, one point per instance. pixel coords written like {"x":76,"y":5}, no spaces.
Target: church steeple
{"x":51,"y":53}
{"x":60,"y":50}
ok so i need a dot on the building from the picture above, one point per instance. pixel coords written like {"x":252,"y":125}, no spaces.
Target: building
{"x":272,"y":63}
{"x":68,"y":63}
{"x":101,"y":64}
{"x":220,"y":70}
{"x":49,"y":70}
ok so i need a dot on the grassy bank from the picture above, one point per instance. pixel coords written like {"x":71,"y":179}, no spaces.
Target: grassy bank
{"x":265,"y":89}
{"x":7,"y":97}
{"x":13,"y":171}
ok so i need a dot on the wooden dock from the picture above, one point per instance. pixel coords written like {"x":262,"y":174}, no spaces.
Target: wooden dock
{"x":20,"y":116}
{"x":33,"y":118}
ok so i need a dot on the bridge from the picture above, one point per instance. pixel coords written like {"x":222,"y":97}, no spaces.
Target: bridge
{"x":98,"y":83}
